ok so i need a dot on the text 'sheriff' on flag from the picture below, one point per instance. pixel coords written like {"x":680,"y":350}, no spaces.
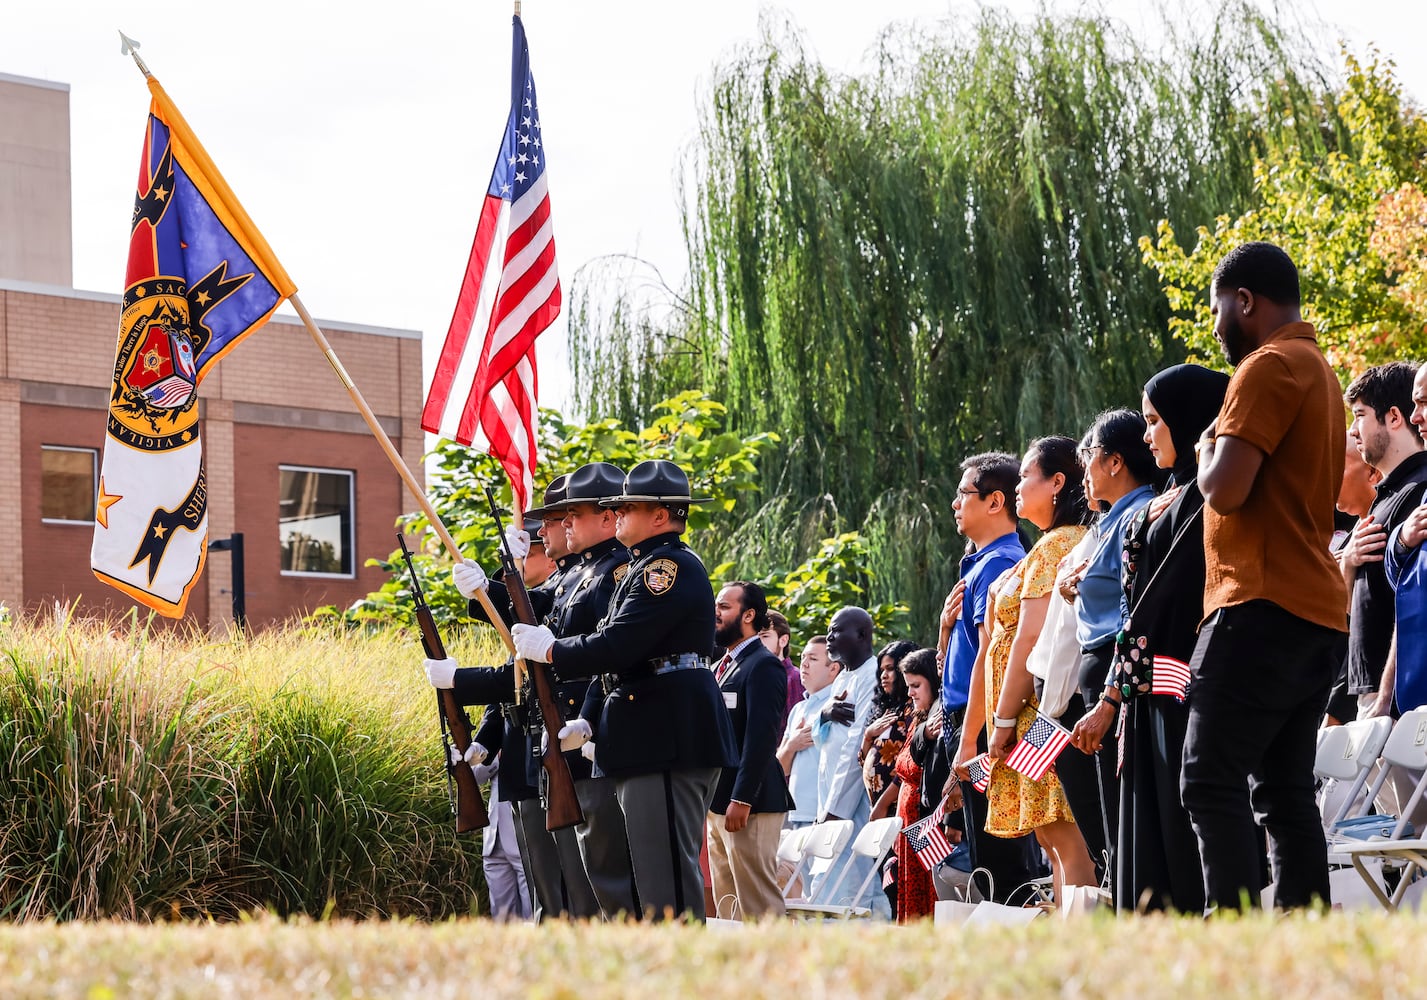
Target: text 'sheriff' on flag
{"x":510,"y":294}
{"x":200,"y":278}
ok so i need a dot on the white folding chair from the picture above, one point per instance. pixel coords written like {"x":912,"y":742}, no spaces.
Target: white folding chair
{"x":1343,"y":763}
{"x":821,"y":842}
{"x":1406,"y":750}
{"x":792,"y":850}
{"x":873,"y":841}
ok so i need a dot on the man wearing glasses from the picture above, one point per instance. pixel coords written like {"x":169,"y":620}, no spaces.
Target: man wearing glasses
{"x":985,"y":512}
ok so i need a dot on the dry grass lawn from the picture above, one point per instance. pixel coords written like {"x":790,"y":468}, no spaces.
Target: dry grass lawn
{"x":1360,"y":955}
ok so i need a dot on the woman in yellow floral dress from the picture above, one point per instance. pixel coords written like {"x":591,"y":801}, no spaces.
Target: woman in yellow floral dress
{"x":1051,"y":496}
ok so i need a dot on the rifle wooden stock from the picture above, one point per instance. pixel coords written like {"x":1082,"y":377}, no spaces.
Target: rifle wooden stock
{"x":563,"y":806}
{"x":471,"y":813}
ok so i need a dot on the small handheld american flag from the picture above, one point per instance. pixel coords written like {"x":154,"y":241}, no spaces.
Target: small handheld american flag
{"x":1120,"y":738}
{"x":927,"y":841}
{"x":1169,"y":676}
{"x":1039,"y":748}
{"x":980,"y":768}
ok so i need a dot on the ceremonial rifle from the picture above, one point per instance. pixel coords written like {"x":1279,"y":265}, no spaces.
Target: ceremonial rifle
{"x":562,"y":807}
{"x":467,"y":803}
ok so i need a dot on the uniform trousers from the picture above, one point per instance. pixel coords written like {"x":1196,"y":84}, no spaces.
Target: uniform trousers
{"x":604,"y":846}
{"x":664,"y":820}
{"x":552,"y":866}
{"x":744,"y":866}
{"x":503,"y":866}
{"x":1258,"y":687}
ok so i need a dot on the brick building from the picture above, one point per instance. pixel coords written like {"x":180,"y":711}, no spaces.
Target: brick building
{"x":291,"y":464}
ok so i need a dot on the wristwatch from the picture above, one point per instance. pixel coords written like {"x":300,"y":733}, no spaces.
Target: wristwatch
{"x":1001,"y":723}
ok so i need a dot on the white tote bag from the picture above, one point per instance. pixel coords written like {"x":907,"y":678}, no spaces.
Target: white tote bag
{"x":1055,"y":658}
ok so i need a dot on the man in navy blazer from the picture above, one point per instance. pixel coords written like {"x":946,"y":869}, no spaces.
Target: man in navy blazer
{"x":751,"y":800}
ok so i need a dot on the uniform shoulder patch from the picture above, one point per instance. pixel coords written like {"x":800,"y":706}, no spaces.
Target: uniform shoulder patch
{"x":620,"y":572}
{"x":659,"y":575}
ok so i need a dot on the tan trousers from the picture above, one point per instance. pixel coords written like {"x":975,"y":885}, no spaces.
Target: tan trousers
{"x":744,"y":867}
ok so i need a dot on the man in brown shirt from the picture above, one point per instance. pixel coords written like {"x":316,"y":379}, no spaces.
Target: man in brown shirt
{"x":1274,"y":599}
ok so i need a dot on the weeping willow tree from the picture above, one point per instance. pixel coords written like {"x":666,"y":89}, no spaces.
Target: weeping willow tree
{"x":897,"y":269}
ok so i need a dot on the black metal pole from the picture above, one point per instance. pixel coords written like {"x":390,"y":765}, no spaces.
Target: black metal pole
{"x":234,"y":545}
{"x":240,"y":599}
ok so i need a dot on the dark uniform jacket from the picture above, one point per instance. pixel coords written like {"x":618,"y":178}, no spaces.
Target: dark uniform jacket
{"x":514,"y":777}
{"x":581,"y":603}
{"x":496,"y":687}
{"x":665,"y":720}
{"x":755,"y":690}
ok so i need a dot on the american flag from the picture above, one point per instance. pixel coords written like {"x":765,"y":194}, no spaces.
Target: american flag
{"x":1120,"y":738}
{"x":512,"y":295}
{"x":980,"y":768}
{"x":927,"y":841}
{"x":1039,"y":748}
{"x":1169,"y":676}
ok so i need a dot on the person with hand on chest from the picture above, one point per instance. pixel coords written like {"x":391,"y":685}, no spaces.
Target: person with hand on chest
{"x":751,"y":800}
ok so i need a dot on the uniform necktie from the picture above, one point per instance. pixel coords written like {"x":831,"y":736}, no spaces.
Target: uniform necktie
{"x":722,"y":667}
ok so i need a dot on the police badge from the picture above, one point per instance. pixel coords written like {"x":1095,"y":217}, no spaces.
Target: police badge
{"x":659,"y":575}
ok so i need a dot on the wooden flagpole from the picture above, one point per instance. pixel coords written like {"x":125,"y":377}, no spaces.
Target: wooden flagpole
{"x":401,"y":467}
{"x":130,"y":48}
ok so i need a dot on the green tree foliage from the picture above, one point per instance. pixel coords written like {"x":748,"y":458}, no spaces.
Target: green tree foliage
{"x":938,"y":257}
{"x":687,"y":430}
{"x":830,"y":579}
{"x":1343,"y":199}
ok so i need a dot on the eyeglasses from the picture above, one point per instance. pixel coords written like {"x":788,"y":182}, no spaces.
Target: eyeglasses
{"x":972,"y":493}
{"x":1087,"y":455}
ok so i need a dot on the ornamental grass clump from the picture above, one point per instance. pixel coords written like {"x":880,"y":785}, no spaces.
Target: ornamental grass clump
{"x":119,"y":796}
{"x":152,"y":773}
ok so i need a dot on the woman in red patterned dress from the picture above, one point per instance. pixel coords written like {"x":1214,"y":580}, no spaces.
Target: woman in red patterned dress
{"x":915,"y":895}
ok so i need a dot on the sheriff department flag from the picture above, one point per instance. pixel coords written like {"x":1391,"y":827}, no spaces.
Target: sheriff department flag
{"x":200,"y":278}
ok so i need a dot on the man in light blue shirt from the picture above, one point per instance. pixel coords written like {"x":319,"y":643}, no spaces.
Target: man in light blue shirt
{"x":797,"y":752}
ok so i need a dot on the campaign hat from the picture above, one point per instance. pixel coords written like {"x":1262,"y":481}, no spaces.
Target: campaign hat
{"x":554,"y":498}
{"x":594,"y":482}
{"x":655,"y":481}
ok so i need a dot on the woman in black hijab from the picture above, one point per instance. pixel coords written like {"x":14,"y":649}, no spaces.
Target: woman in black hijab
{"x":1158,"y":856}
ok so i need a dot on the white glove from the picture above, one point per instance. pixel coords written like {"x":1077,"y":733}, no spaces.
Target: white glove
{"x":441,"y":673}
{"x":588,"y":751}
{"x":532,"y":642}
{"x":470,"y":579}
{"x":519,"y":541}
{"x":574,"y":734}
{"x":475,"y":756}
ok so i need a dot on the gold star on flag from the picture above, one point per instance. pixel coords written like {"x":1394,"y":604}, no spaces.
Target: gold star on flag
{"x":159,"y":530}
{"x":203,"y":298}
{"x":106,"y":500}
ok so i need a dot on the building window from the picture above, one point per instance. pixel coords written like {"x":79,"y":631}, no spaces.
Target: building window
{"x":315,"y":521}
{"x":69,"y":480}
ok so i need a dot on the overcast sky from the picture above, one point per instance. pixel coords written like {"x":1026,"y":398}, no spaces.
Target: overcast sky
{"x":360,"y":137}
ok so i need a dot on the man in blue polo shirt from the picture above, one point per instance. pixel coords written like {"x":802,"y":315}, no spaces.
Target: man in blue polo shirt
{"x":985,"y":510}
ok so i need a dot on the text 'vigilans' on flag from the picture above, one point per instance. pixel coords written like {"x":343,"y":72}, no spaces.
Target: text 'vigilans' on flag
{"x":200,"y":278}
{"x":510,"y":293}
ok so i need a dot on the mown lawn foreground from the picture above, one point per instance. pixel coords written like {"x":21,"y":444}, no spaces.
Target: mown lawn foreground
{"x":1359,"y":955}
